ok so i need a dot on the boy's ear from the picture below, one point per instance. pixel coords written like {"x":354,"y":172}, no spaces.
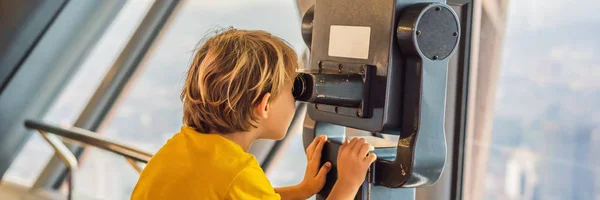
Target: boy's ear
{"x":263,"y":107}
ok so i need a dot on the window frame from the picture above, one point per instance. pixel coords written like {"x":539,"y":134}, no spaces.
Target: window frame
{"x":462,"y":91}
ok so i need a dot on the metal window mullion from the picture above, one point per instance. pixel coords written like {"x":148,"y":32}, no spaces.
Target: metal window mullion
{"x":113,"y":83}
{"x":461,"y":106}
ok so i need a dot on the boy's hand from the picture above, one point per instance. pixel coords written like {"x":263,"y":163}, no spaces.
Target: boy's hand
{"x":353,"y":162}
{"x":314,"y":178}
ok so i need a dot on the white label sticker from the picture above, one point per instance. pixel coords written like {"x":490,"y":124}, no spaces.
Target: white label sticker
{"x":349,"y":41}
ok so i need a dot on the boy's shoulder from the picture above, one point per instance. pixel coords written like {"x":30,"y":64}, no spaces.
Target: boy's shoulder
{"x":201,"y":161}
{"x":193,"y":150}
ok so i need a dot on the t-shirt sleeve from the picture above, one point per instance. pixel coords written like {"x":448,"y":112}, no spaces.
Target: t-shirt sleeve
{"x":251,"y":183}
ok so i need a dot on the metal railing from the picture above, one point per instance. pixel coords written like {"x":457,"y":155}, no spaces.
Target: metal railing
{"x":87,"y":138}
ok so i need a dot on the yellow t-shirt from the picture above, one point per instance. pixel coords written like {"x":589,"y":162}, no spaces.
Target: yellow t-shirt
{"x":193,"y":165}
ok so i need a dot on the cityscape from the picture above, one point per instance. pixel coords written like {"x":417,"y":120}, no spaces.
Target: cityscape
{"x":546,"y":129}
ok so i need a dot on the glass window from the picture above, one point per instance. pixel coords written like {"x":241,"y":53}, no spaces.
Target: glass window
{"x":545,"y":137}
{"x":149,"y":112}
{"x":36,"y":153}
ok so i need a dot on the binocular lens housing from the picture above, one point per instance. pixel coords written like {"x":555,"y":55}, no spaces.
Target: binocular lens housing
{"x":331,"y":89}
{"x":302,"y":90}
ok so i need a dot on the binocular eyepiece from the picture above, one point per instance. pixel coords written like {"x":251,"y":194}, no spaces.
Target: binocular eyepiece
{"x":301,"y":90}
{"x":344,"y":90}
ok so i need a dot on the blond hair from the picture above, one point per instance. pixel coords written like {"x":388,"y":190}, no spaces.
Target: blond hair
{"x":230,"y":74}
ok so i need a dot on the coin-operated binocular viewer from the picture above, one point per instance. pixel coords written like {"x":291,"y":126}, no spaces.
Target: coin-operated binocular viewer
{"x":380,"y":66}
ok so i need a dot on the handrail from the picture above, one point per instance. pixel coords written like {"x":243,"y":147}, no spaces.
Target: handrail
{"x":92,"y":139}
{"x":65,"y":155}
{"x":49,"y":133}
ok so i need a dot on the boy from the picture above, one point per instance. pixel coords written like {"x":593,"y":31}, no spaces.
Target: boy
{"x":239,"y":89}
